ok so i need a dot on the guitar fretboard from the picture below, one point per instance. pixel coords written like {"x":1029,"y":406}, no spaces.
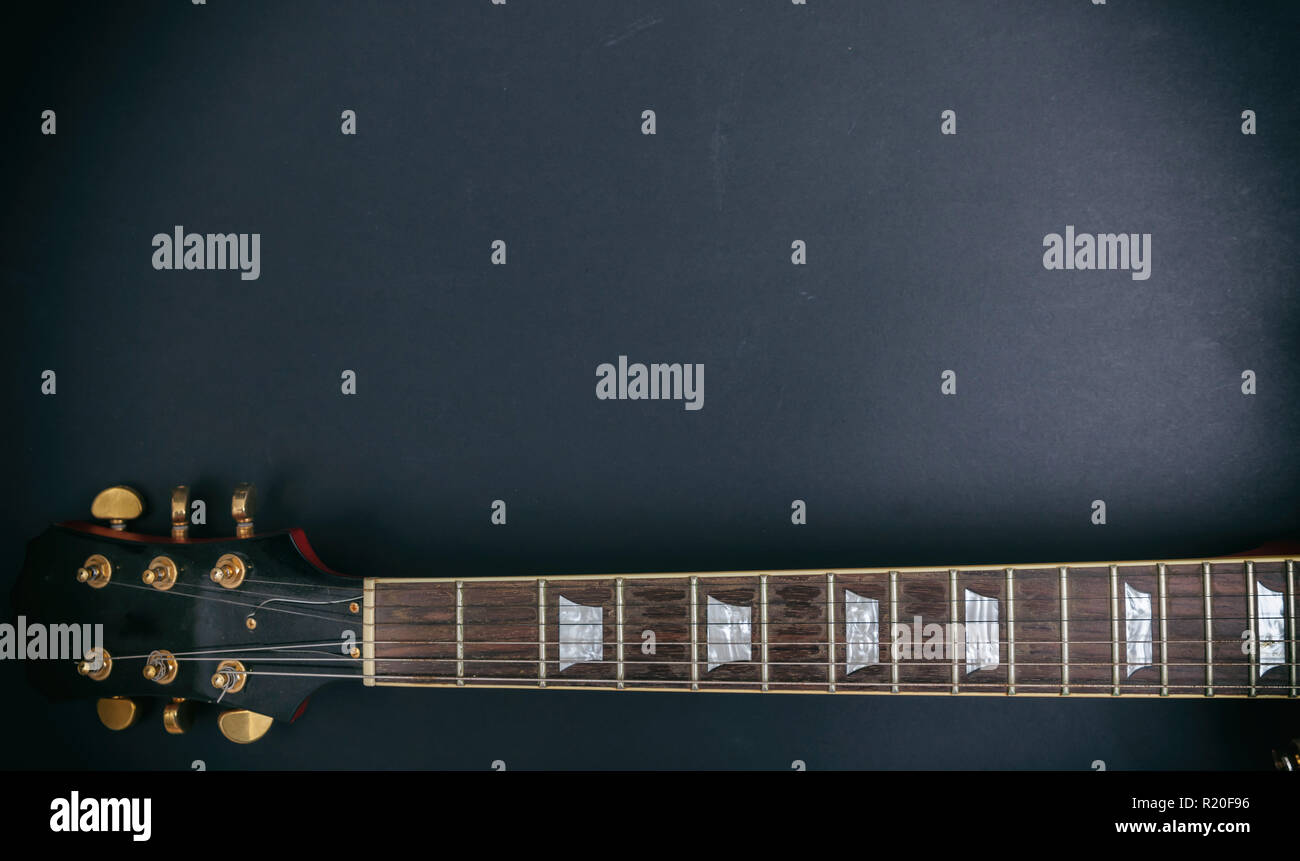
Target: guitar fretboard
{"x":1223,"y":627}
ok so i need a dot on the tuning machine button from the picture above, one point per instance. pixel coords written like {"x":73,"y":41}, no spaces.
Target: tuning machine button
{"x":117,"y":505}
{"x":178,"y":716}
{"x":95,"y":572}
{"x":118,"y":713}
{"x":242,"y":726}
{"x":161,"y":573}
{"x":180,"y":512}
{"x":243,"y":506}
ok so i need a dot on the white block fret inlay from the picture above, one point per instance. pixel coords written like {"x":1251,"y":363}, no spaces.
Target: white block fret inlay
{"x":1137,"y":628}
{"x":582,"y":631}
{"x":1272,"y":628}
{"x":729,"y":633}
{"x":861,"y":631}
{"x":981,"y":632}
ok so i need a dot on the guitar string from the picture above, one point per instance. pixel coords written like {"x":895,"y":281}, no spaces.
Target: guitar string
{"x":942,"y":603}
{"x":524,"y":681}
{"x":225,"y":652}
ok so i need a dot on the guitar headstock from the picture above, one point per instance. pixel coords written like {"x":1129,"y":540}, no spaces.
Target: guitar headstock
{"x":253,"y":623}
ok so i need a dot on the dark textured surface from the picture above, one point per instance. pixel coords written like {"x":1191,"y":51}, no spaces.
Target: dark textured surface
{"x":476,"y":382}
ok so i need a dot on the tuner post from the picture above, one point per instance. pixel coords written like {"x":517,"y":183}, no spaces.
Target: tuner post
{"x":229,"y":571}
{"x":161,"y":667}
{"x":180,"y":512}
{"x":230,"y":677}
{"x":243,"y":506}
{"x":95,"y":572}
{"x":161,"y":573}
{"x":96,"y":664}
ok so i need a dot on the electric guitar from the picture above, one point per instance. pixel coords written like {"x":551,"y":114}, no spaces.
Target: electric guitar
{"x":256,"y":623}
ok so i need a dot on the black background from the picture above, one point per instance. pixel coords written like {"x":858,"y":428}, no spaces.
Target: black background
{"x":477,"y":382}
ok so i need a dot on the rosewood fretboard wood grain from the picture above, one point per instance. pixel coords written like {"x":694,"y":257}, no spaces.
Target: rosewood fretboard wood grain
{"x":1174,"y":628}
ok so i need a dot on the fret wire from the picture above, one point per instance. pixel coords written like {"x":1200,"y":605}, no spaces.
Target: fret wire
{"x":1114,"y":631}
{"x":762,"y":609}
{"x":1011,"y":631}
{"x":1164,"y":632}
{"x":1065,"y":633}
{"x":541,"y":633}
{"x":952,"y":618}
{"x":893,"y":630}
{"x":618,"y":626}
{"x":460,"y":632}
{"x":1290,"y":611}
{"x":1209,"y":630}
{"x":1250,"y":621}
{"x":695,"y":633}
{"x":830,"y":632}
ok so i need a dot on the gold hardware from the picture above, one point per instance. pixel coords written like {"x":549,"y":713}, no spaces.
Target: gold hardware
{"x":250,"y":623}
{"x":354,"y":607}
{"x":229,"y":571}
{"x":96,"y":572}
{"x":243,"y":505}
{"x":178,"y":716}
{"x":117,"y":713}
{"x":354,"y":652}
{"x":230,"y":677}
{"x":180,"y":512}
{"x":161,"y":573}
{"x":242,"y":726}
{"x":117,"y":505}
{"x":161,"y":667}
{"x":96,"y":657}
{"x":1288,"y":759}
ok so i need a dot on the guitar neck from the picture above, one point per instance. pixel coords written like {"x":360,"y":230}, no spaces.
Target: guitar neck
{"x":1179,"y":628}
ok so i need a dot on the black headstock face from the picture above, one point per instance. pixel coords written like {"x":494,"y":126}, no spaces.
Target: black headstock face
{"x":176,"y":613}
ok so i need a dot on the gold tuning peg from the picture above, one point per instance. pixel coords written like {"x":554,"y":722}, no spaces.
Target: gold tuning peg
{"x":243,"y":505}
{"x":180,"y":512}
{"x":117,"y":505}
{"x":117,"y":713}
{"x":178,"y":716}
{"x":242,"y":726}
